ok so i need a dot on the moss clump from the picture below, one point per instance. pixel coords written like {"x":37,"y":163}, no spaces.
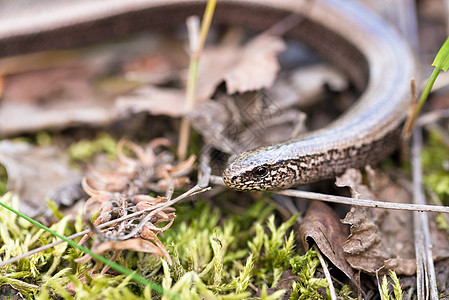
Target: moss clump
{"x":84,"y":150}
{"x":435,"y":159}
{"x":214,"y":257}
{"x":3,"y":180}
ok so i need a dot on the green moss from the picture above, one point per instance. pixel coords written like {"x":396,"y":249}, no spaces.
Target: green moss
{"x":397,"y":290}
{"x":84,"y":149}
{"x":435,"y":157}
{"x":215,"y":256}
{"x":442,"y":222}
{"x":3,"y":180}
{"x":305,"y":266}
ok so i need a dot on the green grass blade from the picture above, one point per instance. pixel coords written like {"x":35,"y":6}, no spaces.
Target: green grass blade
{"x":441,"y":60}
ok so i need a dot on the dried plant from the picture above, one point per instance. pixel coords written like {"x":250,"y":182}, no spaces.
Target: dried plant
{"x":116,"y":194}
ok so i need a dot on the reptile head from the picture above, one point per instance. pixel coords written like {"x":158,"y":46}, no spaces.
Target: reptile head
{"x":260,"y":169}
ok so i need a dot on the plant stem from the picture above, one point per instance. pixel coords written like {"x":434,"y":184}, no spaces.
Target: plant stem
{"x":192,"y":78}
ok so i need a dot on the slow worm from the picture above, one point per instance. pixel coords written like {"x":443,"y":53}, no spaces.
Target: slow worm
{"x":370,"y":52}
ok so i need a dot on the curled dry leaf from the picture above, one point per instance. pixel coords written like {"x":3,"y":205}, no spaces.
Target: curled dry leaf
{"x":125,"y":190}
{"x":164,"y":184}
{"x":137,"y":244}
{"x":379,"y":238}
{"x":146,"y":199}
{"x":185,"y":167}
{"x":322,"y":226}
{"x":245,"y":68}
{"x":170,"y":174}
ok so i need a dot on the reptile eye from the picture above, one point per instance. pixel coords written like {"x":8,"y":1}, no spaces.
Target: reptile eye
{"x":260,"y":171}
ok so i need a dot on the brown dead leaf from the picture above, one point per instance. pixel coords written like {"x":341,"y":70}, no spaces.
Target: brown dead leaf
{"x":243,"y":68}
{"x":154,"y":100}
{"x":286,"y":282}
{"x":379,"y":238}
{"x":257,"y":67}
{"x":44,"y":85}
{"x":322,"y":226}
{"x":51,"y":99}
{"x":312,"y":82}
{"x":136,"y":244}
{"x":168,"y":171}
{"x":34,"y":173}
{"x":154,"y":69}
{"x":16,"y":118}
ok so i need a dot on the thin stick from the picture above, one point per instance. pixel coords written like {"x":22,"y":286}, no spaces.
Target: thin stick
{"x":148,"y":217}
{"x":426,"y":278}
{"x":350,"y":201}
{"x":379,"y":287}
{"x":184,"y":131}
{"x":362,"y":202}
{"x":327,"y":274}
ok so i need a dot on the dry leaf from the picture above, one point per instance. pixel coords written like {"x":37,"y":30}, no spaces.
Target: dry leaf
{"x":51,"y":99}
{"x":322,"y":225}
{"x":34,"y":173}
{"x":44,"y":85}
{"x":379,"y":238}
{"x":154,"y":69}
{"x":251,"y":67}
{"x":257,"y":66}
{"x":136,"y":244}
{"x":154,"y":100}
{"x":20,"y":117}
{"x":142,"y":169}
{"x":312,"y":82}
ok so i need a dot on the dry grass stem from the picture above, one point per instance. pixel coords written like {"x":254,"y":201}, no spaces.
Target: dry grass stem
{"x":327,"y":274}
{"x":425,"y":273}
{"x":350,"y":201}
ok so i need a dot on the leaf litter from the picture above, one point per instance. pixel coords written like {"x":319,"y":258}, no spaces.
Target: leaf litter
{"x":114,"y":194}
{"x":35,"y":174}
{"x":382,"y":240}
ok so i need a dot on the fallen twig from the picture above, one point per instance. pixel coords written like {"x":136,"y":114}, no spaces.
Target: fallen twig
{"x":425,"y":271}
{"x":352,"y":201}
